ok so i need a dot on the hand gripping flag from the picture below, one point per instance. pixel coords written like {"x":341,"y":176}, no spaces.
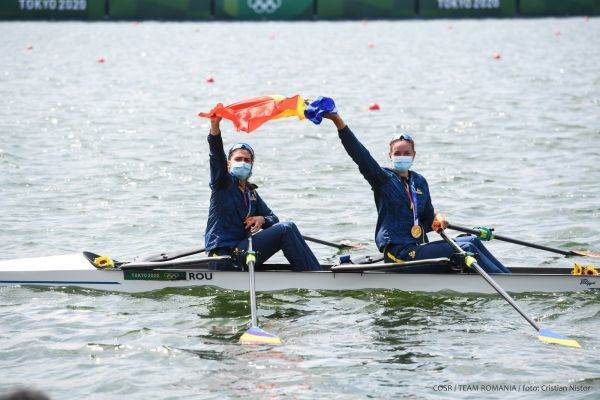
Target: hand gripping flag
{"x":318,"y":108}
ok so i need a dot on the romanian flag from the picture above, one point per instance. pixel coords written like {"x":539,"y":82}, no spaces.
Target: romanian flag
{"x":248,"y":115}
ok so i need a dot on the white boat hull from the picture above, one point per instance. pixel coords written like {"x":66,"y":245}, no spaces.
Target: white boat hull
{"x":75,"y":270}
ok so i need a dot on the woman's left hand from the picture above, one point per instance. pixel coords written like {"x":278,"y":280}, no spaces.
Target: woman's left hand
{"x":254,"y":223}
{"x":439,"y":222}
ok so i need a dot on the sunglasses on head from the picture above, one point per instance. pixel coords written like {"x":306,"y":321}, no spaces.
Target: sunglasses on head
{"x":402,"y":136}
{"x":243,"y":146}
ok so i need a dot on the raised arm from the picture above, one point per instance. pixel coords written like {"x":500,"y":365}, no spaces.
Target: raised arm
{"x":368,"y":167}
{"x":219,"y":175}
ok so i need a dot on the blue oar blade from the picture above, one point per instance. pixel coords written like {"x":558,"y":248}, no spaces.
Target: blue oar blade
{"x":547,"y":336}
{"x":255,"y":335}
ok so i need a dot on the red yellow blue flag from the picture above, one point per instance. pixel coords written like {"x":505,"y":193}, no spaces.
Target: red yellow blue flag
{"x":248,"y":115}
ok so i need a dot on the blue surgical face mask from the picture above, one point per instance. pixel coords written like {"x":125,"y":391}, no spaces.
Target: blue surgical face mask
{"x":402,"y":163}
{"x":241,"y":170}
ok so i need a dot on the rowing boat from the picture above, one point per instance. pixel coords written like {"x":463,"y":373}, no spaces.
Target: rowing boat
{"x":79,"y":270}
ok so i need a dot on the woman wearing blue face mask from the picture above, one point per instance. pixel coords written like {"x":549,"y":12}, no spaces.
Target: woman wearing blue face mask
{"x":236,"y":209}
{"x":405,"y":212}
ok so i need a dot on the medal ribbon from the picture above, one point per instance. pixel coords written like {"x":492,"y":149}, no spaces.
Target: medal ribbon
{"x":247,"y":201}
{"x":412,"y":197}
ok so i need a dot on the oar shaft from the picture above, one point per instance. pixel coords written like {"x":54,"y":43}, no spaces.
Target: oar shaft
{"x":325,"y":242}
{"x":255,"y":335}
{"x":511,"y":240}
{"x":253,"y":312}
{"x":173,"y":255}
{"x":367,"y":267}
{"x":492,"y":282}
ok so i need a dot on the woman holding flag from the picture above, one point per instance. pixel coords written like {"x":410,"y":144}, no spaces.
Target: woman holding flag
{"x":405,"y":211}
{"x":236,"y":210}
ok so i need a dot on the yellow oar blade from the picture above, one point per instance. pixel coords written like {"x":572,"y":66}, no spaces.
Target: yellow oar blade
{"x":255,"y":335}
{"x":548,"y":336}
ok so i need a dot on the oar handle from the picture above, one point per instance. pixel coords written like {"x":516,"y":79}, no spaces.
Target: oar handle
{"x":471,"y":262}
{"x":478,"y":232}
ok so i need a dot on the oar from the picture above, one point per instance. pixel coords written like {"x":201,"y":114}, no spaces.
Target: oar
{"x":376,"y":266}
{"x":486,"y":234}
{"x":190,"y":252}
{"x":340,"y":246}
{"x":173,"y":255}
{"x":255,"y":335}
{"x":544,"y":334}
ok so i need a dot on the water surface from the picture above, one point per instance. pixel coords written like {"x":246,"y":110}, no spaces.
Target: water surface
{"x":110,"y":157}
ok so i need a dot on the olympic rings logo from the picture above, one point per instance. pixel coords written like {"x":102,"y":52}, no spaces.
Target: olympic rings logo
{"x":171,"y":276}
{"x":264,"y":6}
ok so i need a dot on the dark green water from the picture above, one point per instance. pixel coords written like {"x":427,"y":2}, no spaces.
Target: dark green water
{"x":111,"y":158}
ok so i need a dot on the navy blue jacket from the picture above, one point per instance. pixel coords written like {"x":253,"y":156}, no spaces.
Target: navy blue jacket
{"x":395,"y":218}
{"x":229,"y":206}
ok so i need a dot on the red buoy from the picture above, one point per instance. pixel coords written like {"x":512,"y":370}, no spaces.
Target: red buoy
{"x":586,"y":18}
{"x":371,"y":45}
{"x":496,"y":55}
{"x":101,"y":60}
{"x":557,"y":33}
{"x":209,"y":79}
{"x":29,"y":47}
{"x":272,"y":35}
{"x":374,"y":107}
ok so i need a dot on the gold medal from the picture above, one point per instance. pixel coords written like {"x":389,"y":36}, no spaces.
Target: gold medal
{"x":416,"y":231}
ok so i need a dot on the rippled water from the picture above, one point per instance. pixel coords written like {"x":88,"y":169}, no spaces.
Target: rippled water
{"x":110,"y":157}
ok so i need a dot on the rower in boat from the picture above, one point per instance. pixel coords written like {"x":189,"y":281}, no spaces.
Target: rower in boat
{"x":236,"y":209}
{"x":405,"y":211}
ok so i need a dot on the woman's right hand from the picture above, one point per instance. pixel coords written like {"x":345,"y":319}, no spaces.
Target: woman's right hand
{"x":215,"y":128}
